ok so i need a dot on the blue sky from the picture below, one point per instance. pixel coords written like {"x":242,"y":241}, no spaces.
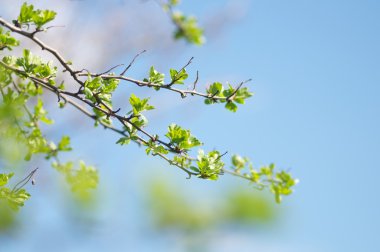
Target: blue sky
{"x":315,"y":73}
{"x":316,"y":79}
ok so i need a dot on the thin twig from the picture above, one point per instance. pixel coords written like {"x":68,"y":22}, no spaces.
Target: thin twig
{"x":179,"y":73}
{"x":231,"y":96}
{"x":23,"y":182}
{"x":45,"y":29}
{"x":133,"y":60}
{"x":196,"y":81}
{"x":43,"y":46}
{"x":183,"y":93}
{"x":112,"y":68}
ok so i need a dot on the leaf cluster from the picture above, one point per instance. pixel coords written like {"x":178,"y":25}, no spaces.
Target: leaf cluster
{"x":81,"y":180}
{"x":186,"y":26}
{"x":12,"y":198}
{"x":29,"y":15}
{"x":231,"y":96}
{"x":7,"y":41}
{"x":181,"y":139}
{"x":280,"y":183}
{"x":210,"y":165}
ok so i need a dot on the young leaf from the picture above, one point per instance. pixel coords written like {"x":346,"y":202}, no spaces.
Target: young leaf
{"x":26,"y":13}
{"x":231,"y":106}
{"x":178,"y":77}
{"x":181,"y":138}
{"x":216,"y":89}
{"x":187,"y":28}
{"x":139,"y":105}
{"x":64,"y":144}
{"x":210,"y":165}
{"x":7,"y":41}
{"x":156,"y":77}
{"x":38,"y":17}
{"x":123,"y":141}
{"x":4,"y":178}
{"x":40,"y":113}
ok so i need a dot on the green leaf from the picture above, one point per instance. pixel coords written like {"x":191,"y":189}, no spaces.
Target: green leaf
{"x":4,"y":178}
{"x":187,"y":28}
{"x":178,"y":77}
{"x":231,"y":106}
{"x":36,"y":143}
{"x":40,"y":113}
{"x":181,"y":138}
{"x":139,"y":121}
{"x":38,"y":17}
{"x":216,"y":89}
{"x":87,"y":93}
{"x":101,"y":88}
{"x":241,"y":95}
{"x":176,"y":134}
{"x":45,"y":71}
{"x":64,"y":168}
{"x":139,"y":105}
{"x":101,"y":117}
{"x":210,"y":165}
{"x":34,"y":65}
{"x":64,"y":144}
{"x":156,"y":77}
{"x":7,"y":41}
{"x":209,"y":101}
{"x":194,"y":169}
{"x":110,"y":85}
{"x":183,"y":161}
{"x":17,"y":199}
{"x":26,"y":13}
{"x":14,"y":199}
{"x":156,"y":149}
{"x":267,"y":170}
{"x":81,"y":180}
{"x":123,"y":141}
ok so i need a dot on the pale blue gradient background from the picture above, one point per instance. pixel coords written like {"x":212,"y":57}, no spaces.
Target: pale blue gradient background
{"x":315,"y":70}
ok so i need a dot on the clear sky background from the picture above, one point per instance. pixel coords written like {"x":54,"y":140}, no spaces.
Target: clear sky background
{"x":316,"y":111}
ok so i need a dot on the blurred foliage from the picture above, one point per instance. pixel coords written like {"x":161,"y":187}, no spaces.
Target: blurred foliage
{"x":245,"y":207}
{"x":81,"y":180}
{"x":7,"y":217}
{"x":186,"y":26}
{"x":171,"y":209}
{"x":280,"y":183}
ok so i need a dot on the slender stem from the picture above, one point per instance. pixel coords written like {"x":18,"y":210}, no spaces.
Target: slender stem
{"x":23,"y":182}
